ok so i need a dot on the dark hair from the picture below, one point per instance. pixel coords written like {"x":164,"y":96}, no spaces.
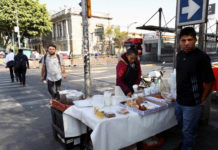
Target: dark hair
{"x":11,"y":50}
{"x":188,"y":31}
{"x":132,"y":50}
{"x":20,"y":50}
{"x":52,"y":45}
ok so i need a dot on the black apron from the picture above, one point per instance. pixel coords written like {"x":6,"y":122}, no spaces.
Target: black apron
{"x":131,"y":75}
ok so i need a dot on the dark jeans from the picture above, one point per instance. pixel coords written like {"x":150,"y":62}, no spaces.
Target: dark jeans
{"x":11,"y":73}
{"x":21,"y":73}
{"x":188,"y":119}
{"x":54,"y":88}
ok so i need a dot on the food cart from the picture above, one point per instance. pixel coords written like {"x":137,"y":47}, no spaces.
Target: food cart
{"x":118,"y":131}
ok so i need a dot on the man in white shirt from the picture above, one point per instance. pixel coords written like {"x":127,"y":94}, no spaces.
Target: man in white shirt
{"x":9,"y":63}
{"x":53,"y":64}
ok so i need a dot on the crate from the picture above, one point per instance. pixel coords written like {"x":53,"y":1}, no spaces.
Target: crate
{"x":59,"y":106}
{"x":58,"y":130}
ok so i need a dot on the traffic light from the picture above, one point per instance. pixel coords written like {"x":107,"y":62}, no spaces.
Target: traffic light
{"x":89,"y":12}
{"x":88,"y":5}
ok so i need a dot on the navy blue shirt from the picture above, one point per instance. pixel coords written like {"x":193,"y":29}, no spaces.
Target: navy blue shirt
{"x":192,"y":70}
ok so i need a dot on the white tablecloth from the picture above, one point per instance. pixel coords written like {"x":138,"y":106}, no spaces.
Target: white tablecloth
{"x":73,"y":127}
{"x":122,"y":130}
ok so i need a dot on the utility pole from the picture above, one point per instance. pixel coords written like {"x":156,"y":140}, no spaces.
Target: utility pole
{"x":201,"y":39}
{"x":18,"y":30}
{"x":13,"y":41}
{"x":177,"y":32}
{"x":160,"y":36}
{"x":216,"y":36}
{"x":128,"y":26}
{"x":87,"y":76}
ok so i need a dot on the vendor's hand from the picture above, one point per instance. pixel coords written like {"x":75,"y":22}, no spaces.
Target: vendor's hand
{"x":64,"y":75}
{"x":42,"y":78}
{"x":203,"y":101}
{"x":129,"y":94}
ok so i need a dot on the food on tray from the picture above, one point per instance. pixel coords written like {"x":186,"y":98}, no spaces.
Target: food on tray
{"x":99,"y":113}
{"x":123,"y":111}
{"x":139,"y":100}
{"x":142,"y":107}
{"x":109,"y":115}
{"x":141,"y":104}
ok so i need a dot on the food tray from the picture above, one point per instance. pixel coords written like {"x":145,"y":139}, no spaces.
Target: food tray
{"x":149,"y":111}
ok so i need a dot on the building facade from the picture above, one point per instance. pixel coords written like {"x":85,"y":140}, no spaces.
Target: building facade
{"x":67,"y":32}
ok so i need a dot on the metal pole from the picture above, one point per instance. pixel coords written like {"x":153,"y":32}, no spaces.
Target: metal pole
{"x":201,"y":36}
{"x":216,"y":36}
{"x":18,"y":33}
{"x":13,"y":41}
{"x":159,"y":38}
{"x":177,"y":32}
{"x":87,"y":76}
{"x":205,"y":38}
{"x":128,"y":26}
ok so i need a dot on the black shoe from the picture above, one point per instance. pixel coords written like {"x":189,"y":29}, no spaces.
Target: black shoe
{"x":12,"y":80}
{"x":179,"y":147}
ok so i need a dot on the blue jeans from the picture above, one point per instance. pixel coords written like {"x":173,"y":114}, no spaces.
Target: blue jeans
{"x":188,"y":118}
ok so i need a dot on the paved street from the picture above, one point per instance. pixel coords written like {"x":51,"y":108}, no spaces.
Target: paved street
{"x":25,"y":121}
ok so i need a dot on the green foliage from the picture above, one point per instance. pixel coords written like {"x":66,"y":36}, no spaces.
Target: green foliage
{"x":118,"y":36}
{"x":34,"y":19}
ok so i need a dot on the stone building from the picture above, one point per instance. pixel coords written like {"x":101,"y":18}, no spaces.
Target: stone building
{"x":67,"y":31}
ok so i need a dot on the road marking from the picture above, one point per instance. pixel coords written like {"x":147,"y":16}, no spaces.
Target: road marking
{"x":102,"y":89}
{"x":9,"y":86}
{"x":99,"y":68}
{"x":11,"y":105}
{"x":106,"y":77}
{"x":40,"y":96}
{"x":95,"y":78}
{"x":148,"y":65}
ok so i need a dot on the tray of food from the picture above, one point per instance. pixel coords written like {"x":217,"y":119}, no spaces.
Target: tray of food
{"x":144,"y":106}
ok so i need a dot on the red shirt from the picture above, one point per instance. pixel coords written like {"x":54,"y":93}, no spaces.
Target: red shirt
{"x":121,"y":70}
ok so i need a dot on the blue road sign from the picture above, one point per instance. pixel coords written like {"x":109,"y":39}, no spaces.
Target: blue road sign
{"x":191,"y":12}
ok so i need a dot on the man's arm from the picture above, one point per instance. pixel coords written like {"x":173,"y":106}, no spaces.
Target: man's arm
{"x":63,"y":71}
{"x":207,"y":89}
{"x":42,"y":72}
{"x":27,"y":62}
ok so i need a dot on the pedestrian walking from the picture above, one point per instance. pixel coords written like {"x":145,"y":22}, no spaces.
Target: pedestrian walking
{"x":53,"y":65}
{"x":194,"y":83}
{"x":9,"y":63}
{"x":21,"y":64}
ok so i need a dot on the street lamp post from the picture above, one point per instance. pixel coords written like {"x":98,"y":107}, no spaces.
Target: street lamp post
{"x":128,"y":26}
{"x":18,"y":30}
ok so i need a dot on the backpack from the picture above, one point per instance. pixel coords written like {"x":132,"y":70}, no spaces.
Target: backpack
{"x":59,"y":61}
{"x":20,"y":62}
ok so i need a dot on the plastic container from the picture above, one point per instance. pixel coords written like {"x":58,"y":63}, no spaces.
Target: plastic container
{"x":107,"y":98}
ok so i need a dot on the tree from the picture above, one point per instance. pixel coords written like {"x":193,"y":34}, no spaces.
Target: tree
{"x":114,"y":34}
{"x":119,"y":38}
{"x":108,"y":36}
{"x":34,"y":19}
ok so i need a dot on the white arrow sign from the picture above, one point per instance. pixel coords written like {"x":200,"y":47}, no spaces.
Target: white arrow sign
{"x":191,"y":9}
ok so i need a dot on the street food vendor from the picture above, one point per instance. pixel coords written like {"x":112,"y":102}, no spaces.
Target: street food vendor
{"x":128,"y":71}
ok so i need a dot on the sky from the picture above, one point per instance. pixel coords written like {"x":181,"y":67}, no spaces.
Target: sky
{"x":125,"y":12}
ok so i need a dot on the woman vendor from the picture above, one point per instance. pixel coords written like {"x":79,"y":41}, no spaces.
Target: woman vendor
{"x":128,"y":71}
